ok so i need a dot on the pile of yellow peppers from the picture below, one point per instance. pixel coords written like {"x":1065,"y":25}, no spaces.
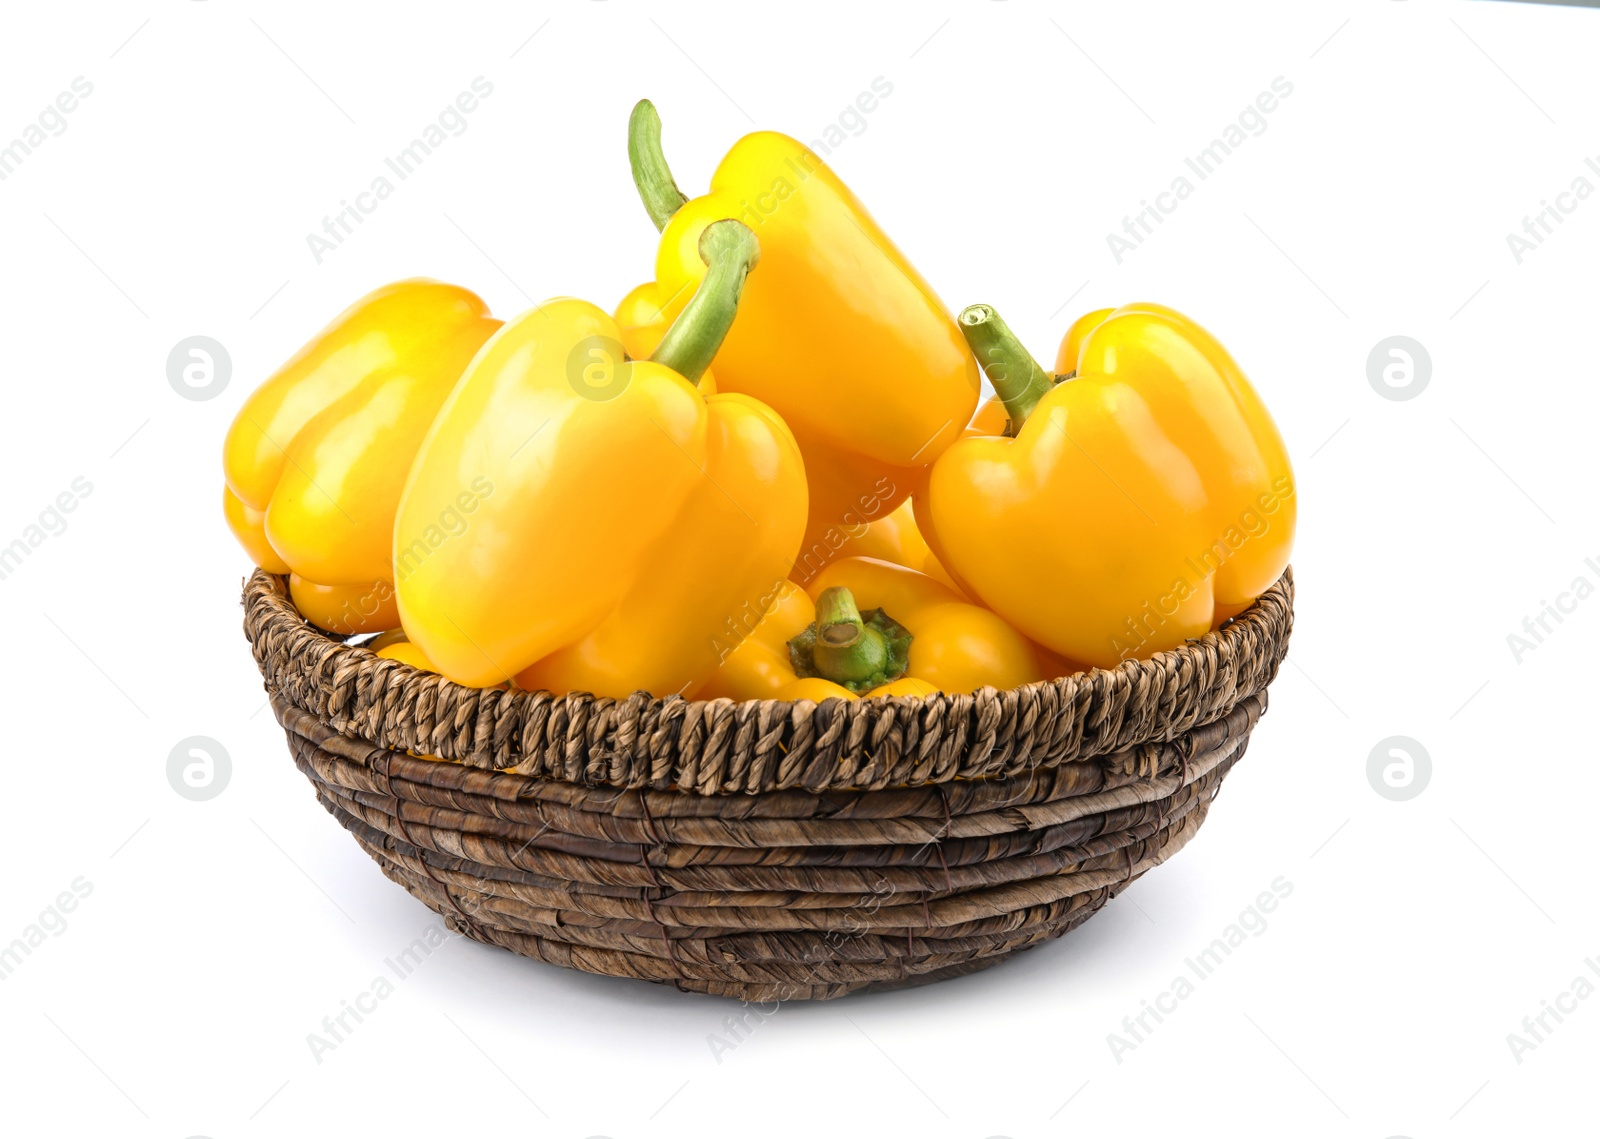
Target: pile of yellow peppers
{"x":764,"y":475}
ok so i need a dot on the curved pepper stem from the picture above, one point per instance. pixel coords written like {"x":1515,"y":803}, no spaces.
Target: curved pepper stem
{"x":857,"y":650}
{"x":651,"y":174}
{"x":1018,"y":379}
{"x":730,"y":251}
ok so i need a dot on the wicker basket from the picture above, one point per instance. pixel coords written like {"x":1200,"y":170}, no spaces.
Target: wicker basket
{"x":767,"y":850}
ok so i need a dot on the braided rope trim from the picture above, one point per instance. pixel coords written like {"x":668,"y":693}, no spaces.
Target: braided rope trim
{"x":720,"y":747}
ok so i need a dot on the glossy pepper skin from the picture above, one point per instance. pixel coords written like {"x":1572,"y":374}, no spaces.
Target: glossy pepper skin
{"x":955,"y":646}
{"x":316,"y":458}
{"x":850,"y":494}
{"x":359,"y":608}
{"x":760,"y":666}
{"x":838,"y":333}
{"x":992,"y":418}
{"x":631,"y":518}
{"x":1142,"y":502}
{"x":642,"y":321}
{"x":846,"y":492}
{"x":896,"y":538}
{"x":392,"y":645}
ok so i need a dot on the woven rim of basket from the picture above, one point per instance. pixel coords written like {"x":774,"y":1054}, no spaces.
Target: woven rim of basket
{"x":720,"y":747}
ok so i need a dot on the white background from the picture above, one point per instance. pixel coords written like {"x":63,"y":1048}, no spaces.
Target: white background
{"x":218,"y":934}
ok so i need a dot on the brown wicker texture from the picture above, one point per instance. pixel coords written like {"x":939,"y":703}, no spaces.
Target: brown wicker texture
{"x":767,"y":850}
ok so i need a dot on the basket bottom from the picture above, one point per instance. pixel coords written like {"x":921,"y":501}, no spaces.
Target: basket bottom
{"x":812,"y":971}
{"x":792,"y":896}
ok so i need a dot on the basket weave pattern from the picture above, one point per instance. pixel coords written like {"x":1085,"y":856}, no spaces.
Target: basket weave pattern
{"x":768,"y":850}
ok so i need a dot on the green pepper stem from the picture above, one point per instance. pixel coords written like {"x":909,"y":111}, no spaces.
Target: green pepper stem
{"x":730,"y":251}
{"x":651,"y":174}
{"x":846,"y":650}
{"x":839,"y":623}
{"x":1018,"y":379}
{"x":860,"y":651}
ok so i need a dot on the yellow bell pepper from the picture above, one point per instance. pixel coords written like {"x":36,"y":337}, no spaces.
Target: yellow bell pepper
{"x":642,"y":320}
{"x":632,"y":521}
{"x":1072,"y":342}
{"x":846,"y":492}
{"x":839,"y":334}
{"x":896,"y":538}
{"x":250,"y":527}
{"x":409,"y":653}
{"x":383,"y":640}
{"x":360,"y":608}
{"x":873,"y":628}
{"x":1129,"y":508}
{"x":850,"y":493}
{"x":393,"y":645}
{"x":759,"y":666}
{"x":317,"y":456}
{"x":906,"y":546}
{"x":992,"y":417}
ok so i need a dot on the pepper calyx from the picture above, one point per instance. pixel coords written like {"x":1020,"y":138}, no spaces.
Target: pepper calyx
{"x":856,"y":650}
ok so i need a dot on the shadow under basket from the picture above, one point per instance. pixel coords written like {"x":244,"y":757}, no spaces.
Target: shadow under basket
{"x":768,"y":850}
